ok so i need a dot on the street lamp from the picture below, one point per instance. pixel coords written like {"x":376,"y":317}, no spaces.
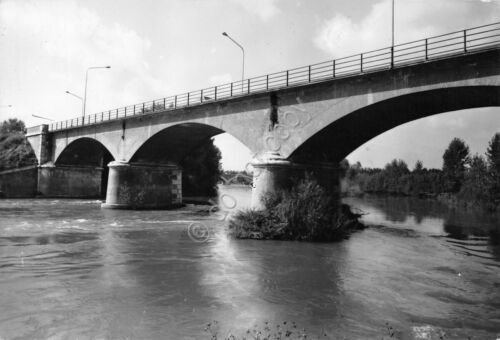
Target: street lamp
{"x":75,"y":95}
{"x":86,"y":80}
{"x":242,"y":50}
{"x":42,"y":117}
{"x":392,"y":23}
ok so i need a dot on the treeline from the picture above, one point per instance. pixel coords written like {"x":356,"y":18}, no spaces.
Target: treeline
{"x":15,"y":151}
{"x":471,"y":180}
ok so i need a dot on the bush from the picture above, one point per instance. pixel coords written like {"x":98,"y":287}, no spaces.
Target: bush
{"x":304,"y":213}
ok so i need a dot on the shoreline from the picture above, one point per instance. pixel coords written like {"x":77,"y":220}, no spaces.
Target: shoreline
{"x":451,"y":200}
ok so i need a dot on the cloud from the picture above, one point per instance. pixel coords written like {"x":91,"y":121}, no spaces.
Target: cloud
{"x":264,"y":9}
{"x":61,"y":47}
{"x":75,"y":35}
{"x":341,"y":36}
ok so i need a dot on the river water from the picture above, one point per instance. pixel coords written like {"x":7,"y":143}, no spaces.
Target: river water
{"x":71,"y":270}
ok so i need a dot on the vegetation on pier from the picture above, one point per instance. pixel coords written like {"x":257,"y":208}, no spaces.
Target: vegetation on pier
{"x":306,"y":212}
{"x":463,"y":180}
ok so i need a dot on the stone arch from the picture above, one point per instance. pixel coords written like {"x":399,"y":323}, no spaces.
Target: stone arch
{"x":339,"y":138}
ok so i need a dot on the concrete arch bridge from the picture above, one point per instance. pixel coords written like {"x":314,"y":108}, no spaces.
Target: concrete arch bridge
{"x":307,"y":119}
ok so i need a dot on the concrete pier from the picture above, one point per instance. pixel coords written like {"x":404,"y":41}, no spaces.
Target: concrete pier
{"x":273,"y":172}
{"x":143,"y":186}
{"x":69,"y":181}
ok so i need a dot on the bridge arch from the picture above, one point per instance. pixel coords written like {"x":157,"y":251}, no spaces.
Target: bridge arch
{"x":80,"y":170}
{"x":342,"y":136}
{"x":173,"y":144}
{"x":84,"y":151}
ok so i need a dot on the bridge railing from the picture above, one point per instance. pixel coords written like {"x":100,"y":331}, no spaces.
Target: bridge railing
{"x":437,"y":47}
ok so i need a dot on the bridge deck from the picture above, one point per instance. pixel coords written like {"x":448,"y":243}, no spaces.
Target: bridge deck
{"x":473,"y":40}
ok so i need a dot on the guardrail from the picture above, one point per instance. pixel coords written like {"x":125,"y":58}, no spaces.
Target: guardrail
{"x":437,"y":47}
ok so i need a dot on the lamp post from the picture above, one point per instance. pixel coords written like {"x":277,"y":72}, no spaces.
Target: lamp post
{"x":42,"y":118}
{"x":86,"y":80}
{"x":392,"y":23}
{"x":243,"y":65}
{"x":75,"y":95}
{"x":392,"y":40}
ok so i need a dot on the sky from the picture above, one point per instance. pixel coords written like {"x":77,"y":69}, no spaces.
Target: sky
{"x":161,"y":48}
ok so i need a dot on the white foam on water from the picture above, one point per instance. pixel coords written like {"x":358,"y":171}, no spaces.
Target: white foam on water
{"x":425,"y":332}
{"x":168,"y":222}
{"x":70,"y":227}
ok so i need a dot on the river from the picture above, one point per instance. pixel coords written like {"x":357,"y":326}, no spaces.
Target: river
{"x":71,"y":270}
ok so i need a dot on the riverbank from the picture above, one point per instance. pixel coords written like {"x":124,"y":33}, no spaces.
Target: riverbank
{"x":451,"y":200}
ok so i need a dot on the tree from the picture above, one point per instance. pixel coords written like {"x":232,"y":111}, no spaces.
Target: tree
{"x":397,"y":168}
{"x":343,"y":167}
{"x":201,"y":171}
{"x":477,"y":183}
{"x":455,"y":159}
{"x":11,"y":126}
{"x":391,"y":177}
{"x":493,"y":155}
{"x":419,"y":166}
{"x":15,"y":151}
{"x":493,"y":158}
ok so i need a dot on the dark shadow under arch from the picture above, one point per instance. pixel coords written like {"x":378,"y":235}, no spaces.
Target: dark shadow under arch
{"x":174,"y":143}
{"x":87,"y":152}
{"x":337,"y":140}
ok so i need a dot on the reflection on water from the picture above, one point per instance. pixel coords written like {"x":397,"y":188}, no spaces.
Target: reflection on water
{"x":71,"y":270}
{"x":472,"y":227}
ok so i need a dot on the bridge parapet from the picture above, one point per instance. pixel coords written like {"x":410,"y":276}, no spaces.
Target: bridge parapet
{"x":448,"y":45}
{"x":36,"y":130}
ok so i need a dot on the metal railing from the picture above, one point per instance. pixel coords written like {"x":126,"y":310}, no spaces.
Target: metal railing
{"x":437,"y":47}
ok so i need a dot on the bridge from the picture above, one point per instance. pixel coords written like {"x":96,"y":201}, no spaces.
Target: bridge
{"x":300,"y":120}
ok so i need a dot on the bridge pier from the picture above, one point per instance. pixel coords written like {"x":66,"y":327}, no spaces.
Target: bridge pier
{"x":274,"y":172}
{"x":69,"y":181}
{"x":143,"y":186}
{"x":271,"y":173}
